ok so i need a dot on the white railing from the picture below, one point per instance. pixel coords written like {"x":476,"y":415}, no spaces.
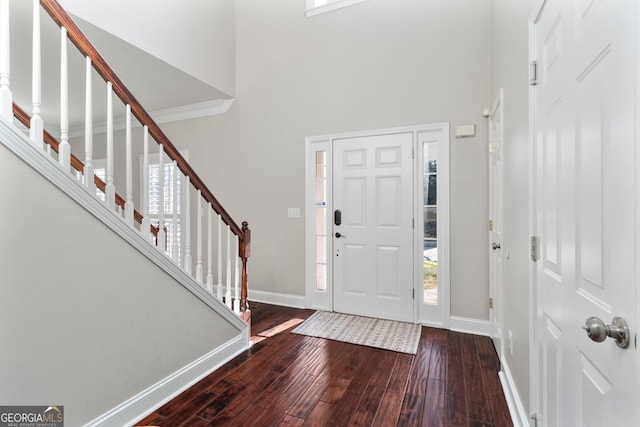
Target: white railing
{"x":173,"y":221}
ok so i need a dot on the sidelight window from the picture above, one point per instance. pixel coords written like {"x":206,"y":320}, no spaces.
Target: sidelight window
{"x":430,"y":222}
{"x":321,"y":219}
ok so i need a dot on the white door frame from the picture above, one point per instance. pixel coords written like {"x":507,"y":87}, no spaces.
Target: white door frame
{"x":428,"y":314}
{"x":496,"y":216}
{"x":533,"y":221}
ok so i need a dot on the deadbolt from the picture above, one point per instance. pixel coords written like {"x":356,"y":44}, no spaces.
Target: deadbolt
{"x":598,"y":331}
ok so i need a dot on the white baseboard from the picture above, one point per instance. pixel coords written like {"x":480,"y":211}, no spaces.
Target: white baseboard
{"x":286,"y":300}
{"x":139,"y":406}
{"x":470,"y":326}
{"x":516,"y":409}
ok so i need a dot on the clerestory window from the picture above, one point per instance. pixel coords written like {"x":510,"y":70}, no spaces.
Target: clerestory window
{"x":316,"y":7}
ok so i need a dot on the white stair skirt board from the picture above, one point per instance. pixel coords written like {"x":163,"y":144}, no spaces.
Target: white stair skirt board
{"x":516,"y":409}
{"x":144,"y":403}
{"x":285,"y":300}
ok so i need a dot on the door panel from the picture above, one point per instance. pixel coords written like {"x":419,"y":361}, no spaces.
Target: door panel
{"x":373,"y":187}
{"x":586,"y":197}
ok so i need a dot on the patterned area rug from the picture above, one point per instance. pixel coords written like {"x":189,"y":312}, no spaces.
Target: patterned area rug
{"x":387,"y":334}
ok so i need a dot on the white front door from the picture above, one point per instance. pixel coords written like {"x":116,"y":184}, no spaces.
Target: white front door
{"x":373,"y":226}
{"x":495,"y":224}
{"x":585,"y":207}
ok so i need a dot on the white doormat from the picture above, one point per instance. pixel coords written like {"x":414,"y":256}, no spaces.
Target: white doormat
{"x":387,"y":334}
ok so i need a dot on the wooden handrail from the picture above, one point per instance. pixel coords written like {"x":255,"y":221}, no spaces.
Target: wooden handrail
{"x":76,"y":163}
{"x":60,"y":16}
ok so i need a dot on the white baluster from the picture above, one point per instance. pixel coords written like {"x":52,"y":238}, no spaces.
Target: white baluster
{"x":227,"y":297}
{"x":199,"y":240}
{"x":236,"y":275}
{"x":162,"y":237}
{"x":64,"y":149}
{"x":187,"y":226}
{"x":110,"y":188}
{"x":128,"y":204}
{"x":209,"y":249}
{"x":145,"y":227}
{"x":88,"y":133}
{"x":220,"y":258}
{"x":36,"y":126}
{"x":175,"y":247}
{"x":6,"y":97}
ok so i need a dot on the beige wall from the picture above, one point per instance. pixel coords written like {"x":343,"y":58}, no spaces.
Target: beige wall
{"x":374,"y":65}
{"x":510,"y":71}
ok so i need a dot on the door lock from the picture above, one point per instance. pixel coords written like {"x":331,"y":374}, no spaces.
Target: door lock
{"x":337,"y":217}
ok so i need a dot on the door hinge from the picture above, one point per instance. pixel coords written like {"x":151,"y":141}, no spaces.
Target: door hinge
{"x":533,"y":73}
{"x":413,"y":223}
{"x":413,"y":294}
{"x":413,"y":153}
{"x":534,"y":248}
{"x":491,"y":303}
{"x":490,"y":225}
{"x":491,"y":149}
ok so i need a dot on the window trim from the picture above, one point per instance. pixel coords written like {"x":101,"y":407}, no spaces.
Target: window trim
{"x":313,"y":10}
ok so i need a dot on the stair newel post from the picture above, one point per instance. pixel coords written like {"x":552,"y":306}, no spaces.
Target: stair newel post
{"x":245,"y":253}
{"x":175,"y":202}
{"x":227,"y":295}
{"x":199,"y":239}
{"x":162,"y":236}
{"x":236,"y":273}
{"x":187,"y":226}
{"x":64,"y":149}
{"x":128,"y":204}
{"x":145,"y":226}
{"x":209,"y":248}
{"x":219,"y":258}
{"x":36,"y":126}
{"x":88,"y":132}
{"x":110,"y":188}
{"x":6,"y":97}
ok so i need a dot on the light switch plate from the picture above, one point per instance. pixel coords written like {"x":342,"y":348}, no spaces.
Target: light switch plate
{"x":293,"y":213}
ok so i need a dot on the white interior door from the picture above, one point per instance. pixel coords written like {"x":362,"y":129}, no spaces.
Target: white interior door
{"x":373,"y":243}
{"x":495,"y":224}
{"x":585,"y":150}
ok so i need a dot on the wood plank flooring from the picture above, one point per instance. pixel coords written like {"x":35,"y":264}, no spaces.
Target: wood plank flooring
{"x":293,"y":380}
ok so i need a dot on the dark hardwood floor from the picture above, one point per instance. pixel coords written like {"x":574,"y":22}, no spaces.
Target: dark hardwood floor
{"x":293,"y":380}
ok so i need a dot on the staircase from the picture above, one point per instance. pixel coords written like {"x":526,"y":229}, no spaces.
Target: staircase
{"x":161,"y":209}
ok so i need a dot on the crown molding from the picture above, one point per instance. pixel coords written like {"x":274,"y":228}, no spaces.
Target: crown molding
{"x":183,"y":112}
